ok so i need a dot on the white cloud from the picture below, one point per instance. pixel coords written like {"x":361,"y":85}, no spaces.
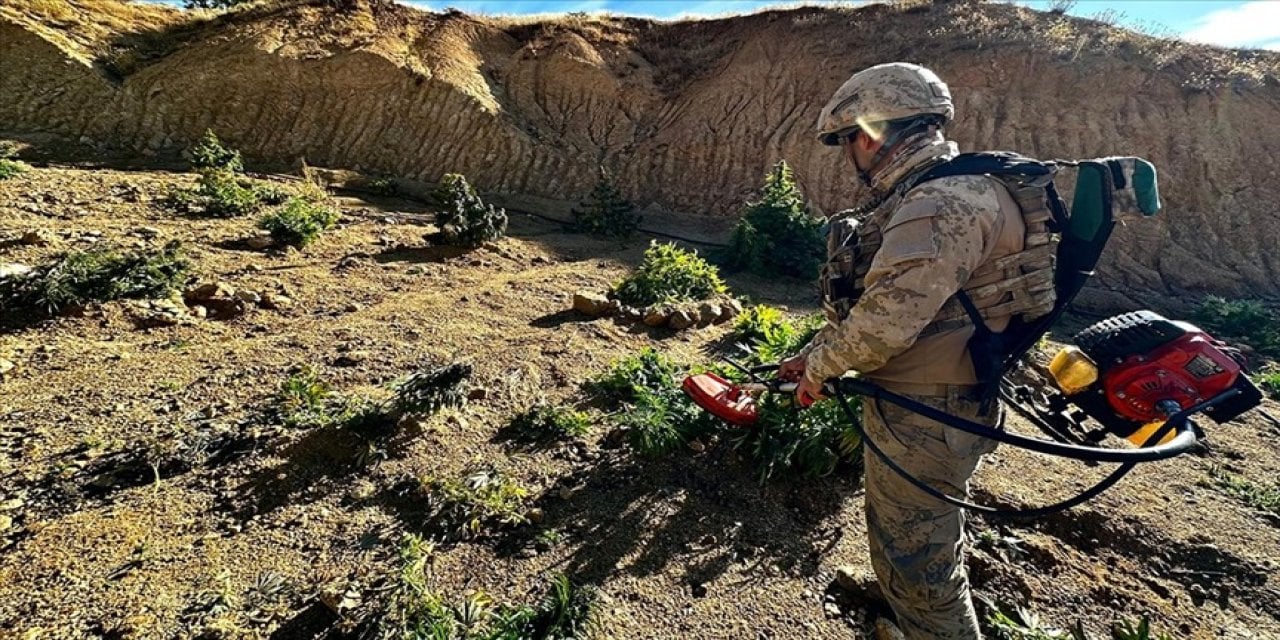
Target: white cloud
{"x":1242,"y":25}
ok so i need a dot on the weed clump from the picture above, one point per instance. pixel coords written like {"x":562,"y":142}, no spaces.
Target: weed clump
{"x":766,"y":335}
{"x":1247,"y":320}
{"x":481,"y":499}
{"x":776,"y":233}
{"x":1269,"y":380}
{"x":668,"y":273}
{"x":383,"y":187}
{"x":305,"y":400}
{"x":299,"y":222}
{"x":210,"y":155}
{"x":1263,"y":497}
{"x":428,"y":390}
{"x":606,"y":212}
{"x":464,"y":219}
{"x":218,"y":194}
{"x":10,"y":166}
{"x":659,"y":419}
{"x":545,"y":422}
{"x":418,"y":611}
{"x":98,"y":275}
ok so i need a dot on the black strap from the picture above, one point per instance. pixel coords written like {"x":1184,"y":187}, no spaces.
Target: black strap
{"x":987,"y":350}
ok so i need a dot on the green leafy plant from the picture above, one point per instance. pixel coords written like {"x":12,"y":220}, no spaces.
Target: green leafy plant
{"x":1263,"y":497}
{"x":464,"y":219}
{"x":382,"y":187}
{"x":1269,"y":380}
{"x":481,"y":498}
{"x":788,"y":441}
{"x":1140,"y":630}
{"x":606,"y":212}
{"x":299,"y":222}
{"x":430,"y":389}
{"x":417,"y":611}
{"x":10,"y":166}
{"x":767,"y":335}
{"x":209,"y":154}
{"x":219,"y":193}
{"x":668,"y":273}
{"x":304,"y":400}
{"x":776,"y":234}
{"x":545,"y":422}
{"x":97,"y":275}
{"x":1248,"y":320}
{"x":1025,"y":624}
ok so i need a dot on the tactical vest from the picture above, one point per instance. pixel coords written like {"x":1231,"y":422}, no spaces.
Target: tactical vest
{"x":1018,"y":284}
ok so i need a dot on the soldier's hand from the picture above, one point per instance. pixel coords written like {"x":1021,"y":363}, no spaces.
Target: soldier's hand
{"x":791,"y":369}
{"x":808,"y":392}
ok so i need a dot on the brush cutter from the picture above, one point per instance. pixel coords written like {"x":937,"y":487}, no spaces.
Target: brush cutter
{"x":1138,"y":377}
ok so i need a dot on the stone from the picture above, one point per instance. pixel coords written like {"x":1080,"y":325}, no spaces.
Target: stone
{"x":39,"y":237}
{"x":535,"y":516}
{"x":13,"y":270}
{"x":478,"y":393}
{"x":709,"y":313}
{"x":250,"y":297}
{"x":351,"y":359}
{"x":352,"y":307}
{"x":730,"y":309}
{"x":147,"y":232}
{"x":591,"y":304}
{"x":697,"y":446}
{"x":200,"y":311}
{"x":657,"y":316}
{"x":698,"y":590}
{"x":275,"y":302}
{"x":682,"y":319}
{"x":6,"y":366}
{"x":260,"y":242}
{"x":209,"y":291}
{"x":5,"y":523}
{"x":847,"y":579}
{"x":363,"y":490}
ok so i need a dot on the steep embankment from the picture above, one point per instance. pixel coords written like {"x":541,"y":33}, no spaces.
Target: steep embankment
{"x":688,"y":115}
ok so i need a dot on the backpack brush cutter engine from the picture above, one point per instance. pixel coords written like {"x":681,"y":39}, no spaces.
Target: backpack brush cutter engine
{"x":1137,"y":376}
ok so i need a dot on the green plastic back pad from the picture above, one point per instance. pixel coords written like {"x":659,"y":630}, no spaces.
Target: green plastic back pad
{"x":1145,"y":187}
{"x":1089,"y":204}
{"x":1108,"y":188}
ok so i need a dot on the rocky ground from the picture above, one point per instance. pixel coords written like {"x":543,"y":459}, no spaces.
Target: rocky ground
{"x":147,"y":491}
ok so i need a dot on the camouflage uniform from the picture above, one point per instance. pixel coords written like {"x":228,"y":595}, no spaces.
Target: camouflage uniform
{"x":933,"y":238}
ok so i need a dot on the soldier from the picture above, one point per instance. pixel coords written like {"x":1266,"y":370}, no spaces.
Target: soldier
{"x":894,"y":268}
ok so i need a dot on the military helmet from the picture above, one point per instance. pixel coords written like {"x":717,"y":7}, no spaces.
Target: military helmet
{"x":884,"y":93}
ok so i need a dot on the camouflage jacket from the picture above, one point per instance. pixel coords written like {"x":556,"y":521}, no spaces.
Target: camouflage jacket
{"x":933,"y":237}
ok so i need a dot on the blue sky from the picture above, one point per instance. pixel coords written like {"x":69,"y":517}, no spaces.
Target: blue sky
{"x":1233,"y":23}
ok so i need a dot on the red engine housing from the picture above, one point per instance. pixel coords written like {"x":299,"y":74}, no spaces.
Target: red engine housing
{"x":1187,"y":370}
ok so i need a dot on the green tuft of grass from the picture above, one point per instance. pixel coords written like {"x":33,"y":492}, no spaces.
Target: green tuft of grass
{"x":299,"y":222}
{"x":1263,"y":497}
{"x":383,"y":187}
{"x":98,"y":275}
{"x":668,"y":273}
{"x":304,"y":400}
{"x":219,"y":193}
{"x":10,"y":166}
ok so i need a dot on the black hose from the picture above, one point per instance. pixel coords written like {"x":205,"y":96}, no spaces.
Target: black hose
{"x":1037,"y":512}
{"x":1184,"y":441}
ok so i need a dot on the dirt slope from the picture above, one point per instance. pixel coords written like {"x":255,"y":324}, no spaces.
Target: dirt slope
{"x":688,"y":115}
{"x":97,"y":543}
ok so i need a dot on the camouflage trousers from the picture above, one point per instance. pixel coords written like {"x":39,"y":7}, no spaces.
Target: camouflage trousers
{"x":916,"y":541}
